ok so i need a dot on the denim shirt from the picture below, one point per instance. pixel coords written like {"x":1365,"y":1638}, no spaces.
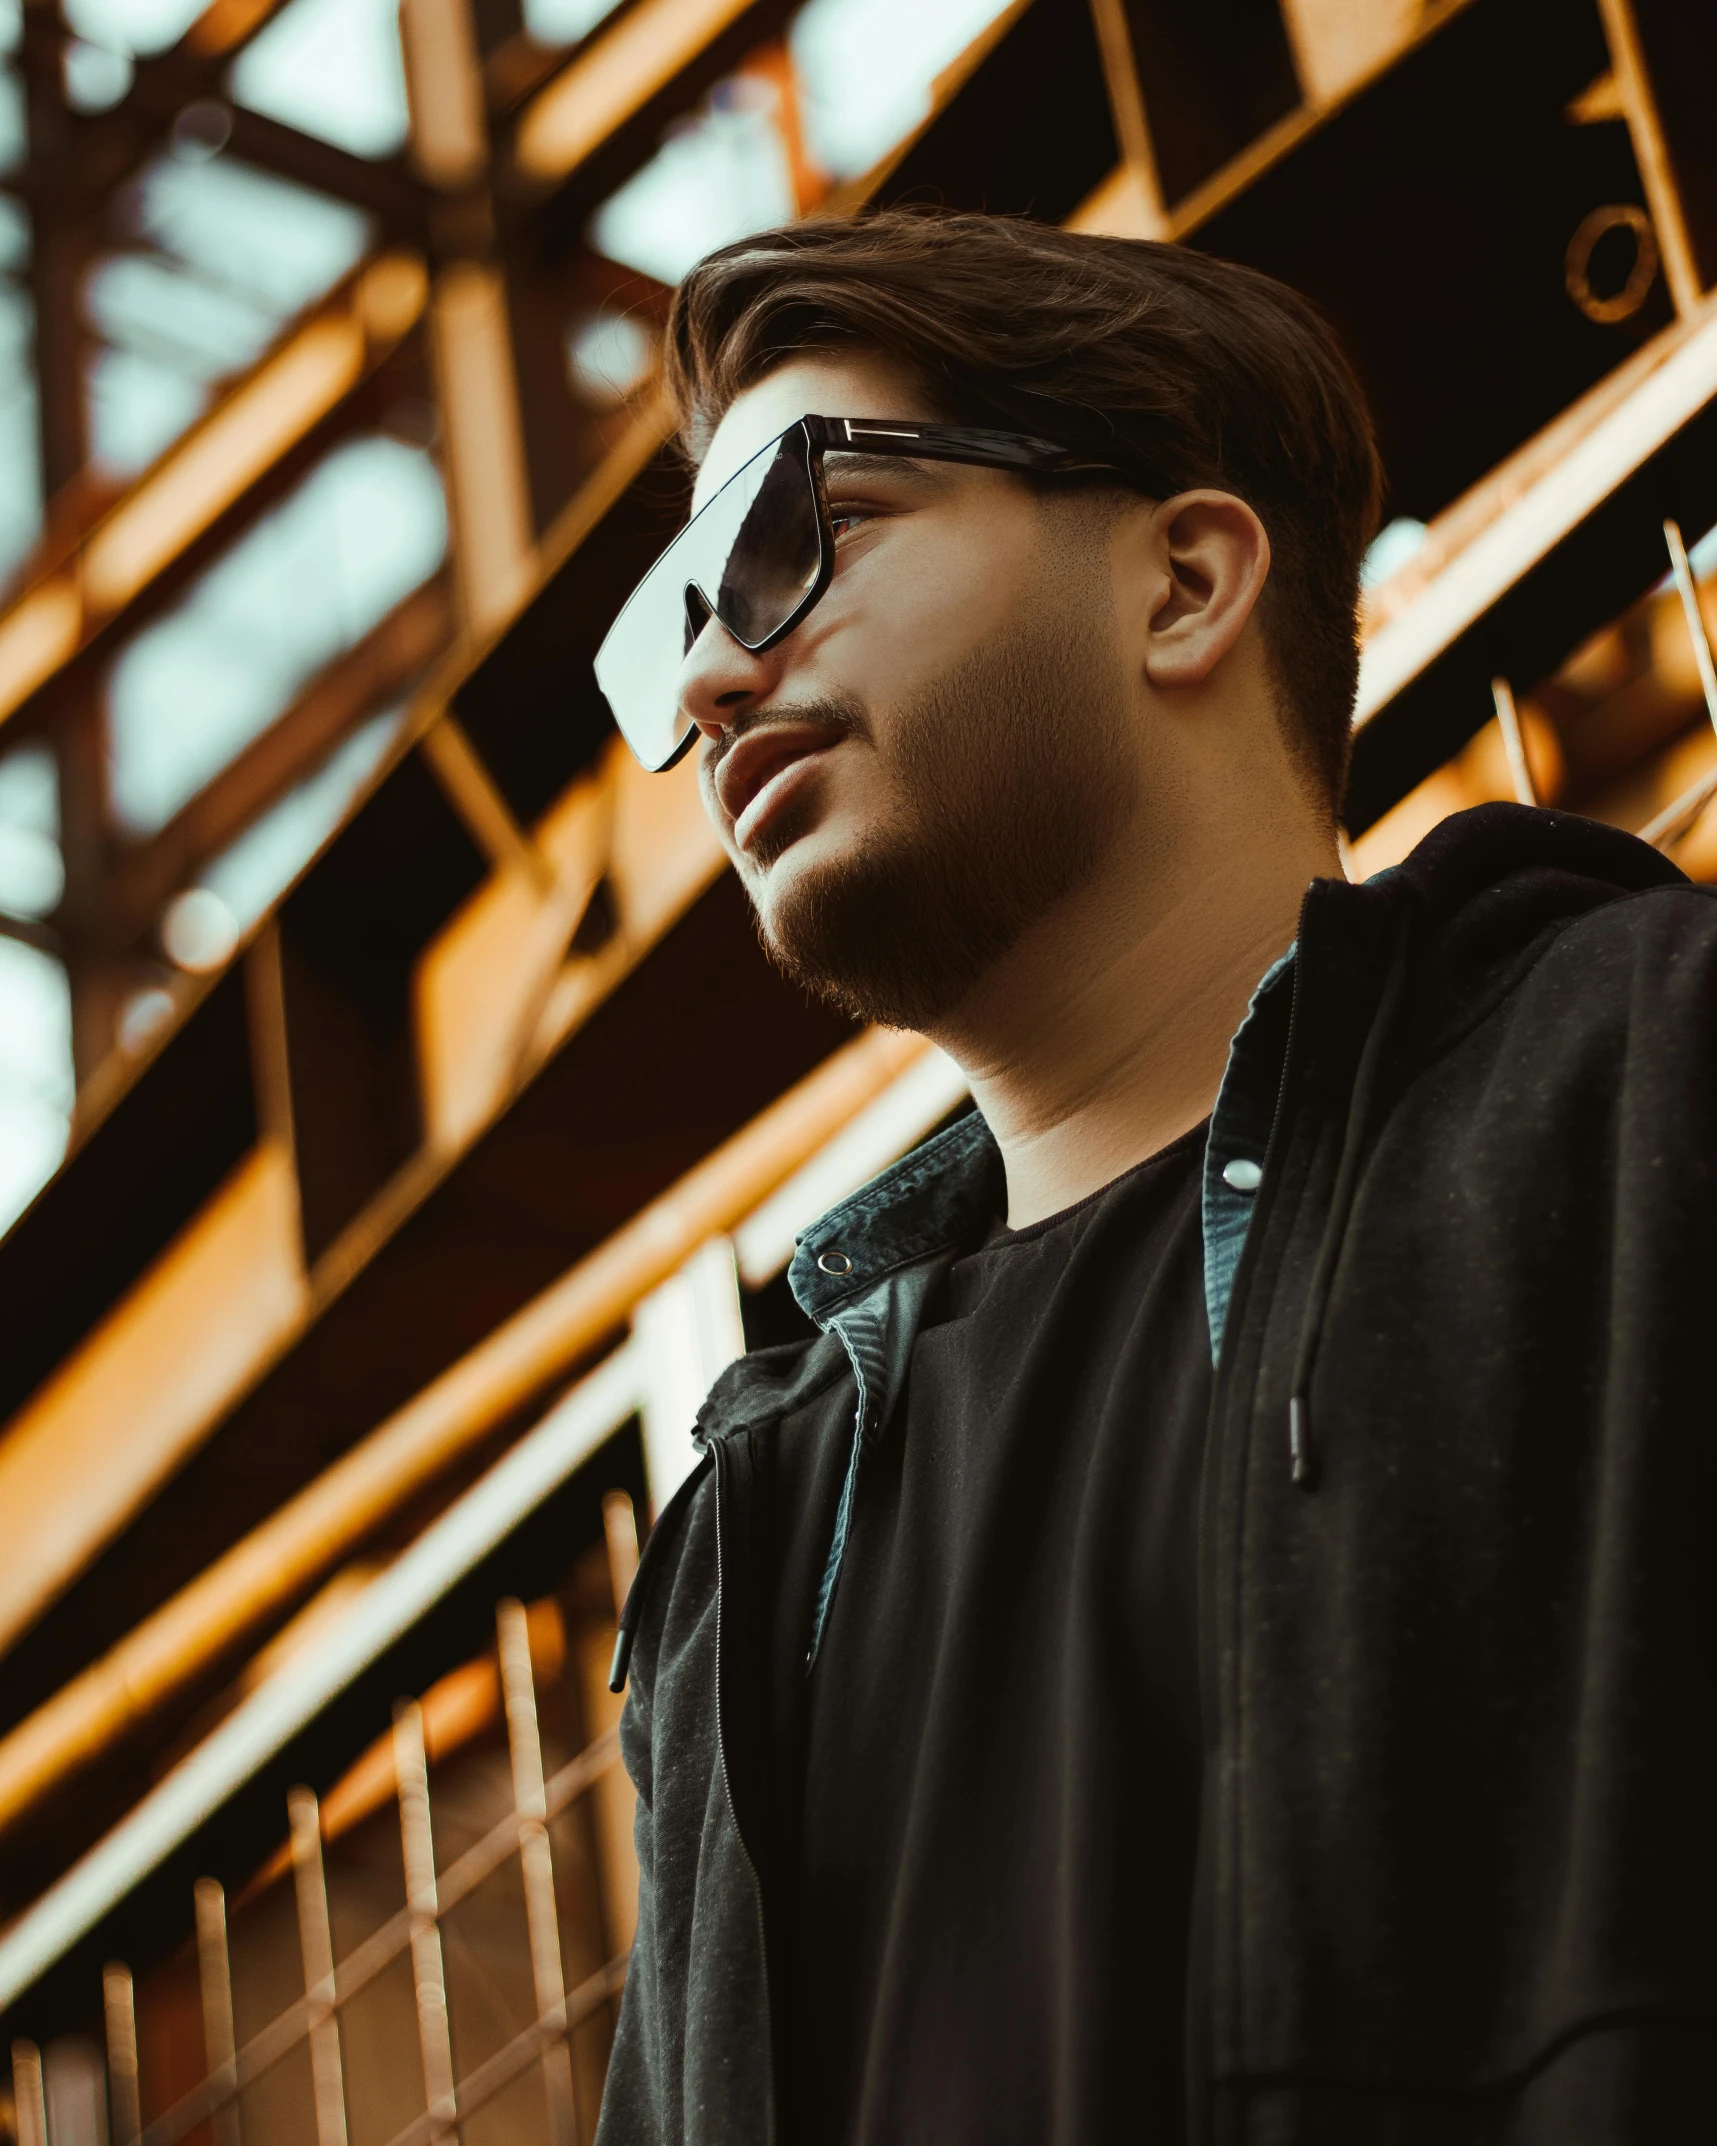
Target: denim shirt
{"x":865,"y":1270}
{"x":1239,"y":1134}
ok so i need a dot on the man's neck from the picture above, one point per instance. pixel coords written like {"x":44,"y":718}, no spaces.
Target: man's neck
{"x":1102,"y":1037}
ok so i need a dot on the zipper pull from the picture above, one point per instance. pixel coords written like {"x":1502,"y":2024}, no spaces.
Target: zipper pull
{"x":1300,"y":1443}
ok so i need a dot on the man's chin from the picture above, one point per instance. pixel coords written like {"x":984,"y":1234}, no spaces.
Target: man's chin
{"x":786,"y":872}
{"x":860,"y":927}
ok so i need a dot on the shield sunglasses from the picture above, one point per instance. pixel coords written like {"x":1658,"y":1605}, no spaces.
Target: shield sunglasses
{"x":761,"y":553}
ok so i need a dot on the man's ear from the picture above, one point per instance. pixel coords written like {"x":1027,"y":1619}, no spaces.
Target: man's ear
{"x":1210,"y":557}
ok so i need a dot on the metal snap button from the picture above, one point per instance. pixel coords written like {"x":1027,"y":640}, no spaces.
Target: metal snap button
{"x":834,"y":1263}
{"x":1242,"y":1174}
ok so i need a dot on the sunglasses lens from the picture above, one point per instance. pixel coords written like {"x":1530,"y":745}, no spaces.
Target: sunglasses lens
{"x":752,"y":556}
{"x":773,"y":563}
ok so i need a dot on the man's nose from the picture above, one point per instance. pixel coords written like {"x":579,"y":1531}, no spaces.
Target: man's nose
{"x":719,"y":679}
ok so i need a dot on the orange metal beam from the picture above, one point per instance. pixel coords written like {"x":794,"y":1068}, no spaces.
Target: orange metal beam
{"x":278,"y":1560}
{"x":206,"y":472}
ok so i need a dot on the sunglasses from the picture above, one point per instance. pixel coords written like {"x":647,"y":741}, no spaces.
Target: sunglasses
{"x":761,"y":553}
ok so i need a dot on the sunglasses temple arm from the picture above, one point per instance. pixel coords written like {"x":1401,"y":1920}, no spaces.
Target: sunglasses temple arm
{"x":977,"y":445}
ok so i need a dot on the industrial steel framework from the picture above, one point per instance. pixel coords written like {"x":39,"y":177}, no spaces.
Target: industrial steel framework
{"x":388,"y":1238}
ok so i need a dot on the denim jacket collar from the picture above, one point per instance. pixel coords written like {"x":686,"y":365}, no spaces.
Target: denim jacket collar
{"x":940,"y":1198}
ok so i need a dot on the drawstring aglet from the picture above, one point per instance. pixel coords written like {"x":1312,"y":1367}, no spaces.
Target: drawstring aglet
{"x":1300,"y":1442}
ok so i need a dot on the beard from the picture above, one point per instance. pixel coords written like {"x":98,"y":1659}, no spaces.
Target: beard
{"x":1013,"y":774}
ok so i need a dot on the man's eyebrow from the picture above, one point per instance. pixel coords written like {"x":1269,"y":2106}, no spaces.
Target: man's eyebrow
{"x":843,"y":468}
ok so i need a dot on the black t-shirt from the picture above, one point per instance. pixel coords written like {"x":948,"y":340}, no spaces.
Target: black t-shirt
{"x":1000,"y":1804}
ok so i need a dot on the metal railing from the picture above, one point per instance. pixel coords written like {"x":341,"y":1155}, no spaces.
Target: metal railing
{"x":413,"y":1932}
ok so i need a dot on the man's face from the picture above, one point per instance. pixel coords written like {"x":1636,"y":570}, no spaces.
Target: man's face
{"x":940,"y":750}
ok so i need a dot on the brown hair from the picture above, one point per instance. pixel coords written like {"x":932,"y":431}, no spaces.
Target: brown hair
{"x":1190,"y":371}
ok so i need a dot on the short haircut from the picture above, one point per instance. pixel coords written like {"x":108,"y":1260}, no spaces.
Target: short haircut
{"x":1189,"y":371}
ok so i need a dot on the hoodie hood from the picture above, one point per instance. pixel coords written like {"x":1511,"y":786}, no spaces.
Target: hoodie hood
{"x":1447,"y":933}
{"x":1485,"y":885}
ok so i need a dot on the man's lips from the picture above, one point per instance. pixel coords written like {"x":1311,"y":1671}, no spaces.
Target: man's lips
{"x":759,"y":771}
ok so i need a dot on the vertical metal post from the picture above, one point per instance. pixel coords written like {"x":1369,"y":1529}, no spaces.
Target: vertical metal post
{"x":537,"y":1864}
{"x":1688,"y":589}
{"x":613,"y":1802}
{"x":316,"y":1943}
{"x":1127,"y":109}
{"x":620,"y":1533}
{"x":214,"y":1977}
{"x":85,"y":916}
{"x":119,"y":2012}
{"x":28,"y":2099}
{"x":444,"y":88}
{"x":66,"y":233}
{"x":689,"y":1329}
{"x":488,"y":482}
{"x":1651,"y":154}
{"x":270,"y":1055}
{"x":417,"y":1841}
{"x":1513,"y":742}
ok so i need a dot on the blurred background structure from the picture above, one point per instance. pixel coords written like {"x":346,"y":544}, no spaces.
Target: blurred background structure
{"x":367,"y":1250}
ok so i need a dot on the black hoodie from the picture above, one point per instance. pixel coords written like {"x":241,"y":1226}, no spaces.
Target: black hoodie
{"x":1458,"y":1865}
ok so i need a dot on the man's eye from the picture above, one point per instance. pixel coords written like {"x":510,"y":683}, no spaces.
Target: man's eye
{"x":842,"y":519}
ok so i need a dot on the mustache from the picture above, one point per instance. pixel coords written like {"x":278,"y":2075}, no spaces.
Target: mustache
{"x":841,"y":715}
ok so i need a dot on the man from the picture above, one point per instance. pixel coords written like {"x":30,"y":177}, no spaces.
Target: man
{"x":1213,"y":1641}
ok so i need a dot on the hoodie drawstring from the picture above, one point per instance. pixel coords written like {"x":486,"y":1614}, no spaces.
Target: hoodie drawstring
{"x":1341,"y":1206}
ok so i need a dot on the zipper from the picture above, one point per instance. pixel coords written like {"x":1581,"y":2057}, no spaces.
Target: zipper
{"x":721,"y":1473}
{"x":844,"y":1510}
{"x":1200,"y":2032}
